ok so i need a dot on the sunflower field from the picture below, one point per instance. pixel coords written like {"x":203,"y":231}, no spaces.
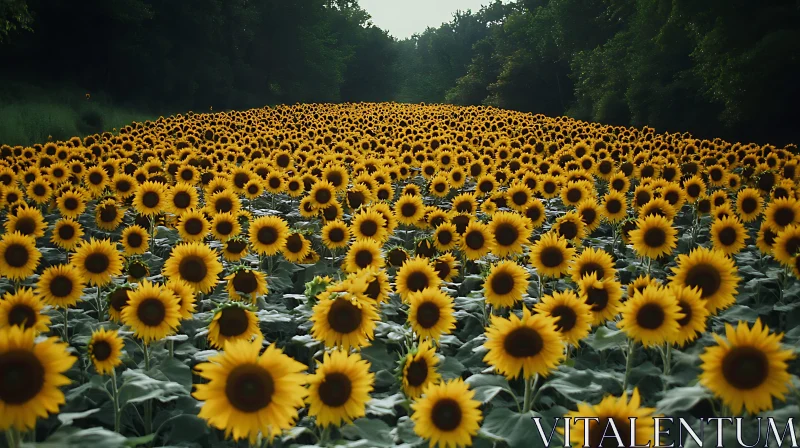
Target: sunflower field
{"x":376,"y":275}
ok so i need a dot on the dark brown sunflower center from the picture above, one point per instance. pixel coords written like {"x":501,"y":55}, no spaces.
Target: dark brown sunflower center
{"x":61,"y":286}
{"x":253,"y":188}
{"x":464,"y":207}
{"x":267,"y":235}
{"x":417,"y":372}
{"x":588,"y":216}
{"x":240,"y":179}
{"x":235,"y":247}
{"x":151,"y":312}
{"x":417,"y":281}
{"x":22,"y":376}
{"x":336,"y":235}
{"x":275,"y":182}
{"x":223,"y":205}
{"x":108,"y":213}
{"x":138,"y":270}
{"x":322,"y":196}
{"x":613,"y":206}
{"x":245,"y":281}
{"x":150,"y":199}
{"x":502,"y":283}
{"x":97,"y":263}
{"x":344,"y":317}
{"x":186,"y":174}
{"x":784,"y":216}
{"x":427,"y":314}
{"x":17,"y":255}
{"x":706,"y":277}
{"x":119,"y":299}
{"x":551,"y":257}
{"x":566,"y":318}
{"x":792,"y":245}
{"x":373,"y":289}
{"x":335,"y":389}
{"x":592,"y":268}
{"x":25,"y":225}
{"x":397,"y":257}
{"x":574,"y":195}
{"x":249,"y":388}
{"x":618,"y":184}
{"x":233,"y":322}
{"x":39,"y":190}
{"x":193,"y":269}
{"x":408,"y":210}
{"x":506,"y":234}
{"x":95,"y":178}
{"x":523,"y":342}
{"x":182,"y":199}
{"x":363,"y":258}
{"x":655,"y":237}
{"x":686,"y":309}
{"x":368,"y":228}
{"x":749,"y":205}
{"x":727,"y":236}
{"x":598,"y":429}
{"x":650,"y":316}
{"x":519,"y":198}
{"x":442,"y":269}
{"x":22,"y":315}
{"x":446,"y":414}
{"x":135,"y":240}
{"x":123,"y":186}
{"x":66,"y":232}
{"x":533,"y":213}
{"x":475,"y":240}
{"x":745,"y":367}
{"x":193,"y":226}
{"x":445,"y":237}
{"x":224,"y":227}
{"x":568,"y":229}
{"x":101,"y":350}
{"x":643,"y":197}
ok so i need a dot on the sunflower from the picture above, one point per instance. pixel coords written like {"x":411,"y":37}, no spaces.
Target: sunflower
{"x":60,"y":286}
{"x":592,"y":260}
{"x":193,"y":226}
{"x":232,"y":322}
{"x":248,"y":393}
{"x":363,"y":254}
{"x":614,"y":206}
{"x":446,"y":266}
{"x":98,"y":261}
{"x":123,"y":186}
{"x":153,"y":312}
{"x":570,"y":227}
{"x":766,"y":239}
{"x":234,"y":249}
{"x":22,"y":308}
{"x":535,"y":212}
{"x":787,"y":245}
{"x":505,"y":285}
{"x":149,"y":199}
{"x":573,"y":316}
{"x":445,"y":237}
{"x":529,"y":346}
{"x":519,"y":196}
{"x":246,"y":283}
{"x":710,"y":271}
{"x":135,"y":240}
{"x":415,"y":275}
{"x":476,"y":241}
{"x":185,"y":295}
{"x":695,"y":314}
{"x":728,"y":235}
{"x":117,"y":300}
{"x":509,"y":233}
{"x":748,"y":369}
{"x":590,"y":214}
{"x":654,"y":237}
{"x":615,"y":413}
{"x":659,"y":207}
{"x":574,"y":192}
{"x":651,"y":316}
{"x":409,"y":209}
{"x":27,"y":221}
{"x":19,"y":257}
{"x":418,"y":369}
{"x":749,"y":204}
{"x":335,"y":234}
{"x":105,"y":350}
{"x":781,"y":213}
{"x":447,"y":415}
{"x":268,"y":234}
{"x":431,"y":313}
{"x":551,"y":256}
{"x":107,"y":216}
{"x":38,"y":372}
{"x":369,"y":224}
{"x":674,"y":195}
{"x":695,"y":188}
{"x":322,"y":194}
{"x":344,"y":319}
{"x":604,"y":297}
{"x":224,"y":201}
{"x":225,"y":226}
{"x":39,"y":191}
{"x":339,"y":389}
{"x":194,"y":263}
{"x":181,"y":197}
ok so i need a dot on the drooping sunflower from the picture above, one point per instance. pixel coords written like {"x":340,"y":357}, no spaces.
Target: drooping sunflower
{"x":415,"y":275}
{"x":604,"y":297}
{"x":509,"y":233}
{"x":225,"y":226}
{"x":476,"y":241}
{"x":135,"y":240}
{"x":781,"y":213}
{"x":248,"y":393}
{"x":654,"y":237}
{"x":234,"y":249}
{"x":573,"y":316}
{"x":599,"y":417}
{"x":105,"y":350}
{"x":528,"y":346}
{"x":246,"y":282}
{"x":447,"y":415}
{"x":431,"y":313}
{"x":551,"y":256}
{"x":194,"y":263}
{"x":153,"y":312}
{"x":711,"y":271}
{"x":418,"y":369}
{"x":339,"y":390}
{"x":335,"y":234}
{"x":728,"y":235}
{"x":506,"y":283}
{"x":409,"y":209}
{"x":344,"y":319}
{"x":786,"y":245}
{"x":766,"y":239}
{"x":614,"y":206}
{"x":27,"y":221}
{"x":19,"y":257}
{"x":60,"y":286}
{"x":38,"y":372}
{"x":592,"y":260}
{"x":107,"y":216}
{"x":749,"y":204}
{"x":651,"y":316}
{"x":24,"y":309}
{"x":149,"y":199}
{"x":268,"y":234}
{"x":695,"y":314}
{"x":98,"y":261}
{"x":232,"y":322}
{"x":446,"y":266}
{"x":748,"y":369}
{"x":193,"y":226}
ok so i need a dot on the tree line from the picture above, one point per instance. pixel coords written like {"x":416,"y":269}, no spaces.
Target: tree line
{"x":723,"y":68}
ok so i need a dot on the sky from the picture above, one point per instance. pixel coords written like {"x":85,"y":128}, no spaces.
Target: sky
{"x":402,"y":18}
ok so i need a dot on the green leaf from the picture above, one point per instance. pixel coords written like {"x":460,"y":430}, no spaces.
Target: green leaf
{"x":376,"y":432}
{"x":487,"y":387}
{"x":381,"y":407}
{"x":66,"y":436}
{"x":451,"y":368}
{"x":605,"y":338}
{"x":515,"y":429}
{"x":69,"y":417}
{"x":682,"y":399}
{"x":138,"y":387}
{"x":177,"y":372}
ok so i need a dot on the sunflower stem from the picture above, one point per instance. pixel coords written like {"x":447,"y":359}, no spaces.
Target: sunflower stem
{"x":100,"y":311}
{"x":171,"y":347}
{"x":148,"y":405}
{"x":11,"y":438}
{"x":323,"y":438}
{"x":530,"y":385}
{"x":116,"y":401}
{"x":628,"y":364}
{"x":668,"y":359}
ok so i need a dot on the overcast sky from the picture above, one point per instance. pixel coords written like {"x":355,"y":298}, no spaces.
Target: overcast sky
{"x":402,"y":18}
